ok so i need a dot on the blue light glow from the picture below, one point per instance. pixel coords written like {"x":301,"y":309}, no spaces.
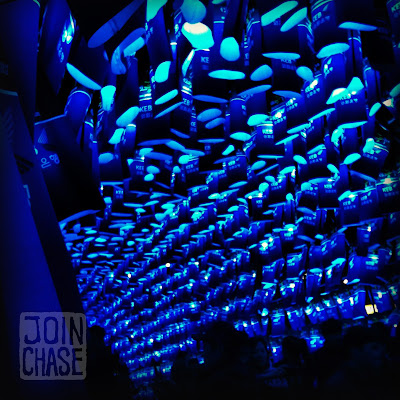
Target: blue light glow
{"x":172,"y":144}
{"x":135,"y":42}
{"x":261,"y":73}
{"x":82,"y":78}
{"x":332,"y":49}
{"x":294,"y":19}
{"x":171,"y":108}
{"x":209,"y":114}
{"x":395,"y":91}
{"x":355,"y":85}
{"x":242,"y":136}
{"x":357,"y":26}
{"x":128,"y":117}
{"x":272,"y":15}
{"x":105,"y":158}
{"x":229,"y":49}
{"x":228,"y":150}
{"x":199,"y":35}
{"x":287,"y":94}
{"x":255,"y":90}
{"x":107,"y":97}
{"x":193,"y":11}
{"x":336,"y":95}
{"x":151,"y":169}
{"x":166,"y":97}
{"x":256,"y":119}
{"x":152,"y":8}
{"x":282,"y":55}
{"x":117,"y":135}
{"x":305,"y":73}
{"x":162,"y":72}
{"x":351,"y":158}
{"x":258,"y":165}
{"x":111,"y":27}
{"x":227,"y":74}
{"x":214,"y":123}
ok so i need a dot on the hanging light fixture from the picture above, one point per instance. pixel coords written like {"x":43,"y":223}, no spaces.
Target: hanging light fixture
{"x":127,"y":41}
{"x":359,"y":15}
{"x":285,"y":80}
{"x":99,"y":22}
{"x":127,"y":99}
{"x":271,"y":11}
{"x":220,"y":68}
{"x":57,"y":32}
{"x":86,"y":65}
{"x":328,"y":38}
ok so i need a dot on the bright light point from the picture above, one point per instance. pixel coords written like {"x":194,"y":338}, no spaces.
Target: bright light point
{"x":355,"y":86}
{"x":369,"y":309}
{"x":388,"y":181}
{"x":345,"y":281}
{"x":162,"y":72}
{"x":128,"y":117}
{"x":229,"y":49}
{"x":167,"y":265}
{"x":116,"y":137}
{"x":369,"y":145}
{"x":389,"y":102}
{"x":106,"y":158}
{"x":336,"y":95}
{"x":107,"y":97}
{"x":314,"y":83}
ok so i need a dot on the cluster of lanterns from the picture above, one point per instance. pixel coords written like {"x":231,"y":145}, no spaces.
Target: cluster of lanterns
{"x":246,"y":155}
